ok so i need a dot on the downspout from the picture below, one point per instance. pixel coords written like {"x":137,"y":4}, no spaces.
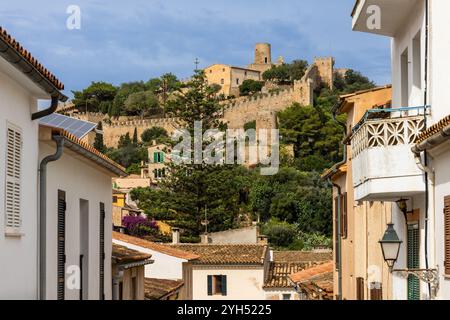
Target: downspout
{"x":338,"y":209}
{"x":43,"y":213}
{"x":48,"y":111}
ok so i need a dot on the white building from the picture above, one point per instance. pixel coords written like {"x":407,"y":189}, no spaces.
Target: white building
{"x":39,"y":255}
{"x":420,"y":70}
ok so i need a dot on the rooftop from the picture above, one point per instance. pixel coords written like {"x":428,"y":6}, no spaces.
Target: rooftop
{"x":241,"y":254}
{"x":313,"y":273}
{"x":121,"y":255}
{"x":434,"y":129}
{"x":165,"y":249}
{"x":317,"y":280}
{"x":157,"y":289}
{"x":13,"y":52}
{"x":301,"y":256}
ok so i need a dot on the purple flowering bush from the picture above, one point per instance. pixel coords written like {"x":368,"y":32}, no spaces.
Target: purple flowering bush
{"x":139,"y":226}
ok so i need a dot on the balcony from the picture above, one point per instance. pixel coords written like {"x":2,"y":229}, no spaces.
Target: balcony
{"x":392,"y":15}
{"x":383,"y":166}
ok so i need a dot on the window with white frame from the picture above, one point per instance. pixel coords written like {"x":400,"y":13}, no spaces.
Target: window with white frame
{"x":13,"y":174}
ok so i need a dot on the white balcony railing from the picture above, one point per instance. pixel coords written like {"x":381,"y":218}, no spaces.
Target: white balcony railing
{"x":383,"y":165}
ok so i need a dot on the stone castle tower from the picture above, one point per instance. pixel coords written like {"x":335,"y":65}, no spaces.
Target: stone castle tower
{"x":263,"y":57}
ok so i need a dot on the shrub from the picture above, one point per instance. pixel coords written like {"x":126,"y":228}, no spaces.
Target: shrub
{"x":139,"y":226}
{"x":280,"y":234}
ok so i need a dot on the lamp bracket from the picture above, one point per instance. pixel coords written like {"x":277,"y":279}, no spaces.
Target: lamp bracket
{"x":429,"y":276}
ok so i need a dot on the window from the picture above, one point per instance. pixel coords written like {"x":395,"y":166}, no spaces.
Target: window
{"x":13,"y":179}
{"x":217,"y":285}
{"x":417,"y":61}
{"x":447,"y":234}
{"x":114,"y":199}
{"x":237,"y":81}
{"x":222,"y":81}
{"x":413,"y":261}
{"x":404,"y":69}
{"x":159,"y":173}
{"x":336,"y":231}
{"x":286,"y":296}
{"x":158,"y":157}
{"x":344,"y":217}
{"x":266,"y":60}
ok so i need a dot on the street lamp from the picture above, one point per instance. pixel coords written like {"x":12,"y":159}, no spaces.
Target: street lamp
{"x":390,"y":246}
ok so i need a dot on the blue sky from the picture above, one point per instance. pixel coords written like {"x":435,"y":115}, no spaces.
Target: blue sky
{"x":122,"y":41}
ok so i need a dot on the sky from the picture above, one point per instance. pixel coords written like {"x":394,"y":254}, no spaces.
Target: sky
{"x":121,"y":41}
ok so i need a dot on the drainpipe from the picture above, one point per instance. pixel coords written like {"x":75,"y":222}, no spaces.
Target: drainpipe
{"x":338,"y":209}
{"x":48,"y":111}
{"x":43,"y":213}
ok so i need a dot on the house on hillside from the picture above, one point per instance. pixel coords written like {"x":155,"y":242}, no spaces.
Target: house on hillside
{"x":358,"y":226}
{"x":128,"y":274}
{"x":284,"y":263}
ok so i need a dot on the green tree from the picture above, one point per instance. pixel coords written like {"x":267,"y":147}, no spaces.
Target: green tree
{"x":250,"y":87}
{"x":142,"y":103}
{"x":135,"y":137}
{"x":98,"y":142}
{"x":155,"y":133}
{"x":90,"y":98}
{"x":286,"y":73}
{"x":124,"y":91}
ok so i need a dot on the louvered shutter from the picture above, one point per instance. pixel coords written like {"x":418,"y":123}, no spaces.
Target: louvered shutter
{"x":61,"y":270}
{"x":13,"y":179}
{"x":162,"y":157}
{"x":359,"y":288}
{"x":413,"y":261}
{"x":376,"y":291}
{"x":336,"y":231}
{"x":344,"y":219}
{"x":224,"y":285}
{"x":210,"y":283}
{"x":447,"y":234}
{"x":155,"y":157}
{"x":102,"y":251}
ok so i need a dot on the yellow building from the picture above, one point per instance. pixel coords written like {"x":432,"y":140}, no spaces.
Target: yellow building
{"x":360,"y":270}
{"x":230,"y":78}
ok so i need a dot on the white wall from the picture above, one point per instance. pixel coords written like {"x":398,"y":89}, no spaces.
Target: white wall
{"x":80,"y":179}
{"x":18,"y":255}
{"x":164,"y":266}
{"x":243,"y":283}
{"x":441,"y":166}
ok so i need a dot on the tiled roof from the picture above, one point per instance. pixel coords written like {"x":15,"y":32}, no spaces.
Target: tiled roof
{"x":5,"y":37}
{"x":312,"y":273}
{"x":70,"y":137}
{"x":121,"y":254}
{"x":301,"y":256}
{"x":212,"y":254}
{"x":434,"y":129}
{"x":165,"y":249}
{"x":156,"y":289}
{"x":288,"y":262}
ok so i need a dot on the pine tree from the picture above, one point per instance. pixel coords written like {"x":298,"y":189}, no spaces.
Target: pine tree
{"x":98,"y":142}
{"x":135,"y":137}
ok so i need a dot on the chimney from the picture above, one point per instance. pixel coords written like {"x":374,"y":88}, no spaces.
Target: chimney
{"x":263,"y":240}
{"x":205,"y":238}
{"x":175,"y":236}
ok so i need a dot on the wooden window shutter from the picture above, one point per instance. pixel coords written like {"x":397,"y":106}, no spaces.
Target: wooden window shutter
{"x":336,"y":231}
{"x":102,"y":251}
{"x":155,"y":157}
{"x":210,"y":284}
{"x":359,"y":288}
{"x":224,"y":285}
{"x":13,"y":179}
{"x":413,"y":261}
{"x":61,"y":232}
{"x":376,"y":291}
{"x":344,"y":216}
{"x":447,"y":234}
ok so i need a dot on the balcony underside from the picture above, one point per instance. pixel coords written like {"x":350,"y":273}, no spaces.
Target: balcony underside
{"x":393,"y":13}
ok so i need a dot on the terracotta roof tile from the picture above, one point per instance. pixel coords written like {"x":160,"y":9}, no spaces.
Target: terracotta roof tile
{"x":155,"y":246}
{"x":211,"y":254}
{"x":434,"y":129}
{"x":8,"y":39}
{"x":156,"y":289}
{"x":121,"y":254}
{"x":89,"y":148}
{"x":312,"y":273}
{"x":288,"y":262}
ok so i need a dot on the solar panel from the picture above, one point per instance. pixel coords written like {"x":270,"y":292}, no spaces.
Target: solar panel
{"x":79,"y":128}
